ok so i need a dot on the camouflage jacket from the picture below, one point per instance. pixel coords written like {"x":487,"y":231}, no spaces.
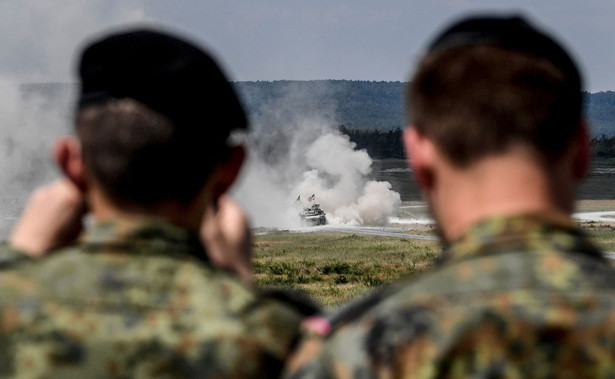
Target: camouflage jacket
{"x":515,"y":297}
{"x":136,"y":300}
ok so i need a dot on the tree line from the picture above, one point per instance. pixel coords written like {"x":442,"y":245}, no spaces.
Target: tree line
{"x":380,"y":144}
{"x":603,"y":146}
{"x":387,"y":144}
{"x":361,"y":104}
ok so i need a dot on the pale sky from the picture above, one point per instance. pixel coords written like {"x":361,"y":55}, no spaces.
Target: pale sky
{"x":292,"y":39}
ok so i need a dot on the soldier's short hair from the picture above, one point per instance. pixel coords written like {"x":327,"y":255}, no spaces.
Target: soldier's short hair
{"x":489,"y":84}
{"x":154,"y":115}
{"x":136,"y":157}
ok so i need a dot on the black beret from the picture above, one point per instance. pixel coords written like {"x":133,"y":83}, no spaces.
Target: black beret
{"x":168,"y":74}
{"x":511,"y":33}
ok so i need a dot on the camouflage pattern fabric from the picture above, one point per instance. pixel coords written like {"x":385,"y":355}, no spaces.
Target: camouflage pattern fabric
{"x":136,"y":300}
{"x":10,"y":256}
{"x":516,"y":297}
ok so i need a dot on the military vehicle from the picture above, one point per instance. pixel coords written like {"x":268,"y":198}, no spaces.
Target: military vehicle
{"x":313,"y":216}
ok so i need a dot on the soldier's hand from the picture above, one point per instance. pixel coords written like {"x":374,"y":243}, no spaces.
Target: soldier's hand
{"x":52,"y":218}
{"x":226,"y":234}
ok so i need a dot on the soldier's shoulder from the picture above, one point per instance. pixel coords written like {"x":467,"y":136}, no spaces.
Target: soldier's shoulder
{"x":291,"y":298}
{"x":11,"y":257}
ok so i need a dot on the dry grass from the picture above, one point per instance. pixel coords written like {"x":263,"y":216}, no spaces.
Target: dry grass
{"x":334,"y":267}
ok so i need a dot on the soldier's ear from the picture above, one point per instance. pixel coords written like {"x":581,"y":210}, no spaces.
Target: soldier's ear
{"x":421,"y":155}
{"x":67,"y":155}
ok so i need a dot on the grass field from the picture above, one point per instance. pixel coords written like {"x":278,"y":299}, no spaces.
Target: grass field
{"x":603,"y":233}
{"x":335,"y":267}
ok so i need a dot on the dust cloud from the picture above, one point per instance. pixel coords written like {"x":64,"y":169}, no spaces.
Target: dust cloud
{"x":296,"y":152}
{"x":39,"y":42}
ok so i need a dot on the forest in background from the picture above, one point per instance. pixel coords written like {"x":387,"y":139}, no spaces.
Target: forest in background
{"x":373,"y":105}
{"x":386,"y":144}
{"x":371,"y":113}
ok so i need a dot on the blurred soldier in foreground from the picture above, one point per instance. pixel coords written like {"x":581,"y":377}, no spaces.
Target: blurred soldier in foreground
{"x":137,"y":295}
{"x":497,"y":144}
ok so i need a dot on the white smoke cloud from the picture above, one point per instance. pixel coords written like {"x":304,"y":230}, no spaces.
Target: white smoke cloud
{"x":309,"y":157}
{"x":29,"y":124}
{"x":39,"y":41}
{"x":339,"y":179}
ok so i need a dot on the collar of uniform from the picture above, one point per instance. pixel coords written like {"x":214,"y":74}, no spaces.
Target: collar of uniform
{"x":142,"y":237}
{"x":526,"y":232}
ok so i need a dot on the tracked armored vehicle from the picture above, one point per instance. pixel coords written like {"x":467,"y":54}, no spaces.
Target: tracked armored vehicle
{"x":313,"y":216}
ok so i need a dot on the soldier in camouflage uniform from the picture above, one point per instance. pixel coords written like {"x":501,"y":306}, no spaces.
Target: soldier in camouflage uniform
{"x":138,"y":294}
{"x":497,"y":145}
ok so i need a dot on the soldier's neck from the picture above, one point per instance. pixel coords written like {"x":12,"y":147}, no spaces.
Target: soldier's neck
{"x":498,"y":186}
{"x":190,"y":217}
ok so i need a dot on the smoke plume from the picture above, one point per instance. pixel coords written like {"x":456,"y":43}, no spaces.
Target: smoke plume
{"x":39,"y":41}
{"x":296,"y":152}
